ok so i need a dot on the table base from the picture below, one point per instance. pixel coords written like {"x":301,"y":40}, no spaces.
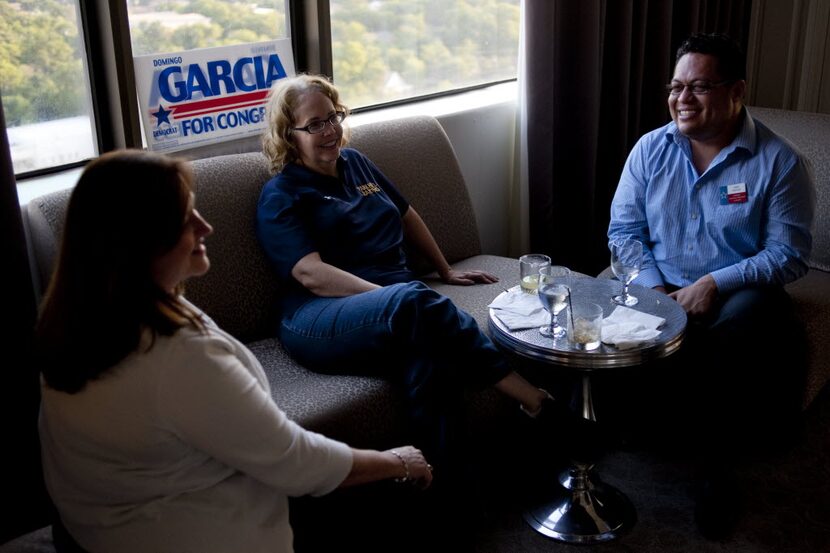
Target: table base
{"x":585,"y":510}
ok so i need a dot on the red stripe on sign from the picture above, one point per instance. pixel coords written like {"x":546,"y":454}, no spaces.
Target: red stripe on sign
{"x":228,"y":108}
{"x":203,"y":105}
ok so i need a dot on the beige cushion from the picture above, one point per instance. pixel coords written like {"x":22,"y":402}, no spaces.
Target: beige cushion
{"x":810,"y":134}
{"x":239,"y":290}
{"x":811,"y":296}
{"x":415,"y":153}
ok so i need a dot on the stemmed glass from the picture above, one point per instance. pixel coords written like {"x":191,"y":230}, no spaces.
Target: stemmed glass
{"x":626,"y":260}
{"x":554,"y":297}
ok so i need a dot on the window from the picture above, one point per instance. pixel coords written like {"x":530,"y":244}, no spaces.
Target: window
{"x":378,"y":51}
{"x":386,"y":50}
{"x":44,"y":84}
{"x":160,"y":26}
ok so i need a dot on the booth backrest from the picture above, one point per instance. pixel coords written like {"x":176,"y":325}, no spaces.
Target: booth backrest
{"x":416,"y":154}
{"x":810,"y":133}
{"x":239,"y":290}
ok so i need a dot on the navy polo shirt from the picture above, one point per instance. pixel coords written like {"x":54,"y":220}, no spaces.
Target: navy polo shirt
{"x":353,"y":222}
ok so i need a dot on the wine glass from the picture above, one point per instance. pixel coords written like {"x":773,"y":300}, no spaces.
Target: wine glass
{"x":626,"y":260}
{"x":553,"y":294}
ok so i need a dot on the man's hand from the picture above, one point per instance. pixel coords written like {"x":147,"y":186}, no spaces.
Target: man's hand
{"x":697,"y":298}
{"x":465,"y":278}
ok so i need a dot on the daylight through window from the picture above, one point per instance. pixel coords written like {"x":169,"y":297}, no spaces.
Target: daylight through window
{"x":44,"y":84}
{"x":386,"y":50}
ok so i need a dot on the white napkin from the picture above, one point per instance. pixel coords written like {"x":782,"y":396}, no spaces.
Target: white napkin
{"x":517,"y":310}
{"x":627,"y":328}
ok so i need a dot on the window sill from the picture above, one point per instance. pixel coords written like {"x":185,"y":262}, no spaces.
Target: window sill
{"x":34,"y":187}
{"x":444,"y":105}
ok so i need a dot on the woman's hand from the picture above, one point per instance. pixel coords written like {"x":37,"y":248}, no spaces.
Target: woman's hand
{"x":405,"y":464}
{"x":413,"y":466}
{"x":466,"y":278}
{"x":418,"y":235}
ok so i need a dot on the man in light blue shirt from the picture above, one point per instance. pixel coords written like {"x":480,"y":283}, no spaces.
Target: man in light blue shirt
{"x":724,"y":208}
{"x":718,"y":200}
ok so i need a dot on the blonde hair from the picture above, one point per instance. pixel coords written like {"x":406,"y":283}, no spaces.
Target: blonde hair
{"x":277,"y":141}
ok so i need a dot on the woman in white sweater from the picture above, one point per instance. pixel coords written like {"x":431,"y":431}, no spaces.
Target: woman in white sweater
{"x":157,"y":428}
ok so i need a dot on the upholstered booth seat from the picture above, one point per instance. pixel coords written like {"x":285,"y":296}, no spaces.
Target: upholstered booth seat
{"x":240,"y":289}
{"x":810,"y":133}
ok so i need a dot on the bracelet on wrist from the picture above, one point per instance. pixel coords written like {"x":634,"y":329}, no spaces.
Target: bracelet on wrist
{"x":406,"y":477}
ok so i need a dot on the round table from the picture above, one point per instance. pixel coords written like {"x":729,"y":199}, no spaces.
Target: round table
{"x":586,"y":510}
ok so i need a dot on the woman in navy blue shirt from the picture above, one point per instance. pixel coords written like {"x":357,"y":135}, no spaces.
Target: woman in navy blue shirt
{"x":333,"y":227}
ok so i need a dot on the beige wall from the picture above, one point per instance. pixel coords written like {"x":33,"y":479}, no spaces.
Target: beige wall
{"x":481,"y":126}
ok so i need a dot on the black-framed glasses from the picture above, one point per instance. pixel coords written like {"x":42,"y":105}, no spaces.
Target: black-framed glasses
{"x":696,"y":87}
{"x":319,"y":126}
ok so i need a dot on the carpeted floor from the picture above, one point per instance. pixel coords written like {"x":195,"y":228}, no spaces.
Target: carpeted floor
{"x":786,"y":501}
{"x":786,"y":506}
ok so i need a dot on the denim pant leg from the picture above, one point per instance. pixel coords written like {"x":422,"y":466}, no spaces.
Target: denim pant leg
{"x":405,"y":332}
{"x":343,"y":335}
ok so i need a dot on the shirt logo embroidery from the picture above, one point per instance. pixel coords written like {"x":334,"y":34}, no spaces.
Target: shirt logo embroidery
{"x":368,"y":189}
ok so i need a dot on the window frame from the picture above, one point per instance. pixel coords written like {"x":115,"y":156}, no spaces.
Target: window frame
{"x":109,"y":58}
{"x":100,"y":127}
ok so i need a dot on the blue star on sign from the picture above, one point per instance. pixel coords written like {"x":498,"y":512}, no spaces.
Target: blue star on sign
{"x":162,"y":115}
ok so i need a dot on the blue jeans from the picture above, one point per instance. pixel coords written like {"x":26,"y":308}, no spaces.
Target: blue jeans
{"x":407,"y":333}
{"x":750,"y":358}
{"x":735,"y":385}
{"x":740,"y":373}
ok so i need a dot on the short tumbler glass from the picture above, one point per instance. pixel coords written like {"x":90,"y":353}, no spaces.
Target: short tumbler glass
{"x":529,"y":266}
{"x":585,"y":326}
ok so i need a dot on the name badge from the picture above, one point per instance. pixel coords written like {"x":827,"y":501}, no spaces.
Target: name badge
{"x":733,"y":193}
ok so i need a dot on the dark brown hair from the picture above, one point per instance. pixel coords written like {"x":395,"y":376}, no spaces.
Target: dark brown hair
{"x":730,"y":55}
{"x":128,"y":208}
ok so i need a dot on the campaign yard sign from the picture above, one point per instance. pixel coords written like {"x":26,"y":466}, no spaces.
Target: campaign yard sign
{"x":208,"y":95}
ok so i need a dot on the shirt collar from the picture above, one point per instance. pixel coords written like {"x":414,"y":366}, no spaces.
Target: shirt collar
{"x":295,"y":169}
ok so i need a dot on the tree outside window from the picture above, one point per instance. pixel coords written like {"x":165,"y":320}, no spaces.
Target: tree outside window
{"x":44,"y":85}
{"x":385,"y":50}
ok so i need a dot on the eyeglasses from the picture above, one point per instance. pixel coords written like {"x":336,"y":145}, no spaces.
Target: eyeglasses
{"x":319,"y":126}
{"x":696,"y":88}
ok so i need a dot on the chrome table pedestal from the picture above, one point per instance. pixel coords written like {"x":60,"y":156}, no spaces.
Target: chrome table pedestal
{"x":583,"y":509}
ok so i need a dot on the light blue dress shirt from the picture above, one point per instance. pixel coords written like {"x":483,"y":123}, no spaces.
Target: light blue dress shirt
{"x":692,"y":225}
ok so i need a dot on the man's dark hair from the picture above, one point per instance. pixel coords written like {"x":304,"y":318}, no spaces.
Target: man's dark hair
{"x":730,"y":55}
